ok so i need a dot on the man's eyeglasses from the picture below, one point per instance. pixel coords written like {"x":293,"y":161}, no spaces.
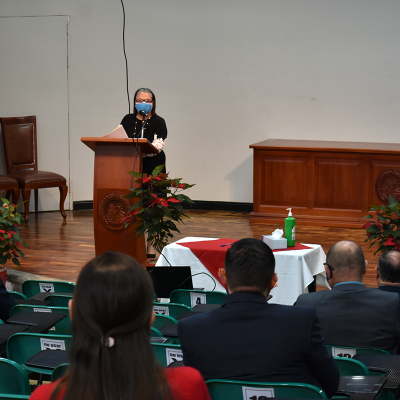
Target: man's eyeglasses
{"x":144,"y":101}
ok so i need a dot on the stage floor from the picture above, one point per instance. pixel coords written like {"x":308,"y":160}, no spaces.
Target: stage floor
{"x":60,"y":249}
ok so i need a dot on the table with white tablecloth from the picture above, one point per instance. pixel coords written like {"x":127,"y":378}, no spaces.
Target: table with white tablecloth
{"x":295,"y":269}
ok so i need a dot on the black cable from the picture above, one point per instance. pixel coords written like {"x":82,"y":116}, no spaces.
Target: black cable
{"x":199,"y":273}
{"x":126,"y":59}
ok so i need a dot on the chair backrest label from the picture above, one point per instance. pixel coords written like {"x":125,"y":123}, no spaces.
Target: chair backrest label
{"x":251,"y":393}
{"x":42,"y":310}
{"x":161,"y":310}
{"x":46,"y":287}
{"x":51,"y":344}
{"x":341,"y":352}
{"x":173,"y":355}
{"x":197,"y":298}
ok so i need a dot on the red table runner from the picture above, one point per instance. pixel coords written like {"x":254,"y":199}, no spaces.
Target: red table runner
{"x":211,"y":253}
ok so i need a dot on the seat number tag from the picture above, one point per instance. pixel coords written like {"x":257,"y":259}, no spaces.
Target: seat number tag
{"x":46,"y":287}
{"x":197,"y":298}
{"x":50,"y":344}
{"x":251,"y":393}
{"x":161,"y":310}
{"x":173,"y":355}
{"x":340,"y":352}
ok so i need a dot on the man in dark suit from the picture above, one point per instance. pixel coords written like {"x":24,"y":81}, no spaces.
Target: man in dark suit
{"x":6,"y":302}
{"x":388,"y":271}
{"x":249,"y":339}
{"x":351,"y":314}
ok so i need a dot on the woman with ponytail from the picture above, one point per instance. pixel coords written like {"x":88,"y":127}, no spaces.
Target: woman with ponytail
{"x":111,"y":357}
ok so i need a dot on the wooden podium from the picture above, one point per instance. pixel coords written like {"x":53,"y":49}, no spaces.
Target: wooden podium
{"x":114,"y":158}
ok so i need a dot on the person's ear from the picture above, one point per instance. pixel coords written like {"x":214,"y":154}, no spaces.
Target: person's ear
{"x":273,"y":281}
{"x":377,"y":272}
{"x":222,"y":277}
{"x":152,"y":318}
{"x":70,"y":304}
{"x":366,"y":267}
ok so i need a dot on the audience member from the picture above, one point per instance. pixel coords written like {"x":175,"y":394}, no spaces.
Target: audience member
{"x":388,"y":271}
{"x":351,"y":314}
{"x":111,"y":356}
{"x":6,"y":302}
{"x":249,"y":339}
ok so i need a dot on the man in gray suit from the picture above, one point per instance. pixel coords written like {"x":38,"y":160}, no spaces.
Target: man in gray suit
{"x":388,"y":271}
{"x":351,"y":314}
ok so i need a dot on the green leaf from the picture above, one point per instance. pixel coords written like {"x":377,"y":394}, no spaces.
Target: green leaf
{"x":393,"y":201}
{"x":16,"y":261}
{"x":157,"y":170}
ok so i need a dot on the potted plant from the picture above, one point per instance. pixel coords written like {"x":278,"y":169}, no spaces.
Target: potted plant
{"x":158,"y":206}
{"x":11,"y":244}
{"x":383,"y":228}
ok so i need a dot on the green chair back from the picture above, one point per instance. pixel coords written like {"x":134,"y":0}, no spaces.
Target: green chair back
{"x":155,"y":332}
{"x":14,"y":396}
{"x":22,"y":346}
{"x":59,"y":372}
{"x":32,"y":287}
{"x":14,"y":379}
{"x":58,"y":300}
{"x":162,"y":320}
{"x":64,"y":327}
{"x":221,"y":389}
{"x":193,"y":297}
{"x":350,"y":352}
{"x":166,"y":353}
{"x":17,"y":295}
{"x":171,"y":309}
{"x":350,"y":367}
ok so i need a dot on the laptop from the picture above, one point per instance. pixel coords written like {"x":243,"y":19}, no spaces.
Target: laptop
{"x":168,"y":279}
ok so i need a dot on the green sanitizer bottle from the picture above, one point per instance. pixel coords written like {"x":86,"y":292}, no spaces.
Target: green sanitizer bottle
{"x":290,"y":229}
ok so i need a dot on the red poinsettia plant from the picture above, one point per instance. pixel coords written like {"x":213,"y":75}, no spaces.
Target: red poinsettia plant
{"x":11,"y":244}
{"x":384,"y":227}
{"x":159,"y":204}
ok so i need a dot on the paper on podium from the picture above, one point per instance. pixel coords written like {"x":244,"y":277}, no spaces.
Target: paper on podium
{"x":118,"y":132}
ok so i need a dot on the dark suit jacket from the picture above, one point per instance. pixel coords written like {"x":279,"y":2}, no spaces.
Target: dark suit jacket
{"x":389,"y":288}
{"x":354,"y":315}
{"x":249,"y":339}
{"x":6,"y":302}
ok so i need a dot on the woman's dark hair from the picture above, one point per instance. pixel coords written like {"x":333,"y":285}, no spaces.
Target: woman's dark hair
{"x":145,"y":90}
{"x":113,"y":299}
{"x":251,"y":263}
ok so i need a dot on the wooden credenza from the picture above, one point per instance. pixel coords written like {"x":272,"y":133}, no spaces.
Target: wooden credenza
{"x":326,"y":183}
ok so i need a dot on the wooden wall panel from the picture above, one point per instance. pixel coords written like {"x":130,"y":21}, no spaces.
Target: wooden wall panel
{"x":285,"y":181}
{"x":337,"y":183}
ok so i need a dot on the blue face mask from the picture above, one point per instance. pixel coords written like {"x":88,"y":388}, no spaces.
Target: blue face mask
{"x":146,"y":107}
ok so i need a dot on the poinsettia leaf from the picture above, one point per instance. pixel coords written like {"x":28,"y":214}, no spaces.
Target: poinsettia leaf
{"x":392,"y":201}
{"x":383,"y":219}
{"x":157,"y":170}
{"x":16,"y":261}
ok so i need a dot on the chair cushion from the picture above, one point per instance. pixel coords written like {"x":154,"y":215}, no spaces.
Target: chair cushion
{"x":45,"y":178}
{"x":8,"y":181}
{"x":19,"y":140}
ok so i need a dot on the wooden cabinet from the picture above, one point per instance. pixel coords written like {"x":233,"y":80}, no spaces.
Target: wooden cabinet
{"x":326,"y":183}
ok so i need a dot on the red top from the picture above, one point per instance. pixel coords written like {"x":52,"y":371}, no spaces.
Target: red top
{"x":186,"y":383}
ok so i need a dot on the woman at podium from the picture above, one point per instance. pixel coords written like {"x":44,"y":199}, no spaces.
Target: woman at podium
{"x":145,"y":123}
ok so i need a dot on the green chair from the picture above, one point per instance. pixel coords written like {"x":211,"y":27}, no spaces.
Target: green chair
{"x":14,"y":379}
{"x":171,"y":309}
{"x":14,"y":396}
{"x":162,"y":320}
{"x":350,"y":367}
{"x":166,"y":353}
{"x":22,"y":346}
{"x":63,"y":327}
{"x":58,"y":300}
{"x":17,"y":295}
{"x":350,"y":352}
{"x":32,"y":287}
{"x":155,"y":332}
{"x":189,"y":298}
{"x":221,"y":389}
{"x":59,"y":371}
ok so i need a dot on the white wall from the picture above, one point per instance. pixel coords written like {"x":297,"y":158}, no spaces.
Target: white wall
{"x":228,"y":73}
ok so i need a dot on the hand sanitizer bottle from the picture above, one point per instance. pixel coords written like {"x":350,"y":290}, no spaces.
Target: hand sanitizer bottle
{"x":290,"y":229}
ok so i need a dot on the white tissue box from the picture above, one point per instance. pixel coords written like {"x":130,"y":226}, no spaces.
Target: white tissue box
{"x":275,"y":243}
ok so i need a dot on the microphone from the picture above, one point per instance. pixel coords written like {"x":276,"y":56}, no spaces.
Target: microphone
{"x":142,"y":113}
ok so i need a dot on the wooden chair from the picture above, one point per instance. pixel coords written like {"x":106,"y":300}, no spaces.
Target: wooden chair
{"x":20,"y":148}
{"x":11,"y":185}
